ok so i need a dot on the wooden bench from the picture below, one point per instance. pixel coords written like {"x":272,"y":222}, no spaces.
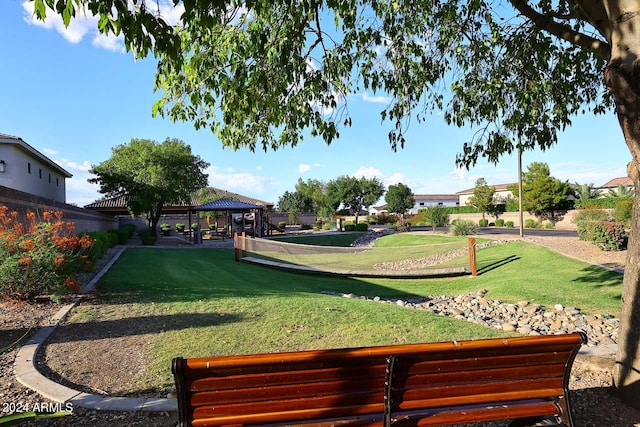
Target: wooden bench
{"x":405,"y":385}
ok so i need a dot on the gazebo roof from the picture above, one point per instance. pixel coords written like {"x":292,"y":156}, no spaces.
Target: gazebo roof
{"x":225,"y":204}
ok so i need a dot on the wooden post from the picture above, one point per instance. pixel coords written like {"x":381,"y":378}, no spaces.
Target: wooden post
{"x":472,"y":257}
{"x":236,"y":249}
{"x":244,"y":244}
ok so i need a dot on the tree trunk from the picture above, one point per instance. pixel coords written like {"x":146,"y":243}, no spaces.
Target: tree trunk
{"x":623,"y":80}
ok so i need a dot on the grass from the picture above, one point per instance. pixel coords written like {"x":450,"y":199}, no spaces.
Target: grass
{"x":201,"y":303}
{"x":391,"y":248}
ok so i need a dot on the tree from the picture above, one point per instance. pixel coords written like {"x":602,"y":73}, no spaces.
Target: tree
{"x":399,"y":199}
{"x":543,"y":195}
{"x":149,"y":175}
{"x":435,"y":215}
{"x":294,"y":202}
{"x":622,"y":191}
{"x":518,"y":72}
{"x":314,"y":190}
{"x":353,"y":193}
{"x":482,"y":198}
{"x":584,"y":192}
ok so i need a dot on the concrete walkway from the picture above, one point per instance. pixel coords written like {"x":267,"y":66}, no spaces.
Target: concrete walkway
{"x":27,"y":374}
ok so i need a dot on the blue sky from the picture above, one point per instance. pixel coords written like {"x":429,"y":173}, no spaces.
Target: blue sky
{"x":74,"y":95}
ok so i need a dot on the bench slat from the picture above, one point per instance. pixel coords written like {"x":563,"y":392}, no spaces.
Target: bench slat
{"x":265,"y":414}
{"x":447,"y":416}
{"x":430,"y":384}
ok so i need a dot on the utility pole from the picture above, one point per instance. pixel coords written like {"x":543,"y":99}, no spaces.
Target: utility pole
{"x":520,"y":188}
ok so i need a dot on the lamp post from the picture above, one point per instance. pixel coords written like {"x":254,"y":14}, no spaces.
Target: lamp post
{"x":520,"y":188}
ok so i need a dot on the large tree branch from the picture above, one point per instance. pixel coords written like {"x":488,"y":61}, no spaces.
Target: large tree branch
{"x":563,"y":32}
{"x":594,"y":12}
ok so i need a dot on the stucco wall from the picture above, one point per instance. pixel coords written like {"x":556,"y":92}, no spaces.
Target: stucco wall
{"x":30,"y":175}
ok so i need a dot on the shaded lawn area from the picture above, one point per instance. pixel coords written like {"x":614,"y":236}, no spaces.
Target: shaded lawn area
{"x":199,"y":302}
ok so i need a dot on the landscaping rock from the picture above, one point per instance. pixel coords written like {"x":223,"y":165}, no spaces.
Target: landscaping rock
{"x":529,"y":319}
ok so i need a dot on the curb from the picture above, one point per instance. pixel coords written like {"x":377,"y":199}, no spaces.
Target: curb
{"x":26,"y":373}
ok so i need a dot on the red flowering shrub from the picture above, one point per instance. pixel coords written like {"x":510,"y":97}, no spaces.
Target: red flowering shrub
{"x":607,"y":235}
{"x":39,"y":257}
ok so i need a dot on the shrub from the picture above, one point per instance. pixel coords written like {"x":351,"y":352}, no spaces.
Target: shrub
{"x":41,"y":256}
{"x":531,"y":223}
{"x":165,"y":229}
{"x":282,"y":224}
{"x":402,"y":227}
{"x":306,"y":227}
{"x":194,"y":226}
{"x":435,"y":216}
{"x":548,"y":225}
{"x":122,"y":234}
{"x":131,"y":229}
{"x":148,"y":236}
{"x":509,"y":224}
{"x":112,"y":238}
{"x":180,"y":227}
{"x":483,"y":222}
{"x":586,"y":216}
{"x":622,"y":211}
{"x":607,"y":235}
{"x":499,"y":222}
{"x":463,"y":228}
{"x":362,"y":226}
{"x":326,"y":226}
{"x":349,"y":227}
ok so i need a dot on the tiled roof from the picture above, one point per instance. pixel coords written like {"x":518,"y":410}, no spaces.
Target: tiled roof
{"x":16,"y":140}
{"x":624,"y":181}
{"x":227,"y":204}
{"x":435,"y":197}
{"x":196,"y":200}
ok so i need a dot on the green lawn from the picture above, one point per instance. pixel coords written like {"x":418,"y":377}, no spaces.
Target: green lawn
{"x":390,"y":248}
{"x":199,"y":302}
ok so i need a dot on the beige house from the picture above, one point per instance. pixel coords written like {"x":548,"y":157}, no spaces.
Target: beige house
{"x":25,"y":169}
{"x":500,"y":197}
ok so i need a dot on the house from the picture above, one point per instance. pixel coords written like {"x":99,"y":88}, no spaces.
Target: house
{"x":500,"y":197}
{"x":614,"y":184}
{"x":23,"y":168}
{"x":424,"y":200}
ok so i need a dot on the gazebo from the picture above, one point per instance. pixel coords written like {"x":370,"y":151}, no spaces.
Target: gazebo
{"x":241,"y":216}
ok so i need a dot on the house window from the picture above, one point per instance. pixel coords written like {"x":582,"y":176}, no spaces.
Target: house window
{"x":57,"y":182}
{"x":40,"y":173}
{"x":440,"y":203}
{"x":29,"y":168}
{"x":49,"y":178}
{"x":421,"y":203}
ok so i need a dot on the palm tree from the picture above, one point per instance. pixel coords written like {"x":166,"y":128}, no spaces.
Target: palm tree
{"x":622,"y":191}
{"x":584,"y":192}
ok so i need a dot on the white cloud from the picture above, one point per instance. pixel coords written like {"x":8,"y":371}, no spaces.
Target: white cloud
{"x":375,"y":99}
{"x":239,"y":182}
{"x":50,"y":151}
{"x":109,"y":42}
{"x":86,"y":24}
{"x":368,"y":172}
{"x":302,"y":168}
{"x":74,"y":33}
{"x":395,"y":179}
{"x":72,"y":166}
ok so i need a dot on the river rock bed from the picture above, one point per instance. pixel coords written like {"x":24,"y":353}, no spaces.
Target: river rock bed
{"x":524,"y":317}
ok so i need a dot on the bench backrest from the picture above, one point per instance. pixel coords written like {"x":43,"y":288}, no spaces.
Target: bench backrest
{"x":378,"y":385}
